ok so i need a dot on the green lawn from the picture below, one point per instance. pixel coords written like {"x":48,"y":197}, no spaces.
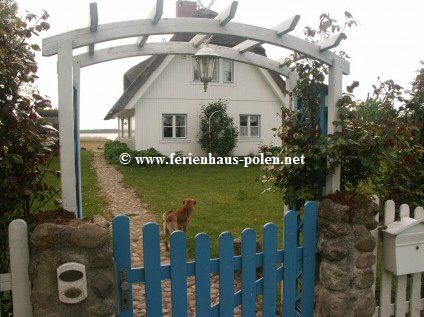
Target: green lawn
{"x":228,"y":198}
{"x":92,"y":201}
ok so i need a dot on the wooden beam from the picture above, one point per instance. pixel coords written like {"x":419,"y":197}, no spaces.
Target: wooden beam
{"x":331,"y":42}
{"x":228,"y":14}
{"x":293,"y":56}
{"x":94,"y":22}
{"x":287,"y":26}
{"x":156,"y":12}
{"x":127,"y":29}
{"x":246,"y":46}
{"x":224,"y":17}
{"x":154,"y":16}
{"x":177,"y":48}
{"x":281,"y":29}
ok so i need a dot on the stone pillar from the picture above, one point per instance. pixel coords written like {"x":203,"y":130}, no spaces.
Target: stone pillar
{"x":345,"y":244}
{"x":86,"y":243}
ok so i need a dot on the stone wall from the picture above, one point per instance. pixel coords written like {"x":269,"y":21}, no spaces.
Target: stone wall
{"x":345,"y":276}
{"x":86,"y":243}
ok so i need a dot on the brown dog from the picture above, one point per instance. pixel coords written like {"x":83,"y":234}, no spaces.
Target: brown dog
{"x":177,"y":220}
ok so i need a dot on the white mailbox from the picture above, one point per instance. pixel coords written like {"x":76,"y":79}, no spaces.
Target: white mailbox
{"x":404,"y":246}
{"x":71,"y":282}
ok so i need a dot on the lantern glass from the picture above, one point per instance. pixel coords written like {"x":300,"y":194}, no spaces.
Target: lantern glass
{"x":206,"y":59}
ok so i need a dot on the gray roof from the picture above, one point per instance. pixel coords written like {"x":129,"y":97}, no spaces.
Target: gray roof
{"x":137,"y":75}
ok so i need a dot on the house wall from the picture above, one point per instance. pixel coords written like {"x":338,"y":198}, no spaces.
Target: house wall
{"x":175,"y":92}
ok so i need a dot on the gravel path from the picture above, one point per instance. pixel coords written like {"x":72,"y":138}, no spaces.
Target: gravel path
{"x":123,"y":200}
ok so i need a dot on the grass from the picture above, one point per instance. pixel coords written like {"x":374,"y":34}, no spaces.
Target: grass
{"x":228,"y":198}
{"x":92,"y":202}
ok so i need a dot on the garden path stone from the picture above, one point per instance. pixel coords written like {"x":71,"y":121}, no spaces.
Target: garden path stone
{"x":123,"y":200}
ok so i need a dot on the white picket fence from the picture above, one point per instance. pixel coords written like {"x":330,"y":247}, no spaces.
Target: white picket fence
{"x":18,"y":280}
{"x":401,"y":306}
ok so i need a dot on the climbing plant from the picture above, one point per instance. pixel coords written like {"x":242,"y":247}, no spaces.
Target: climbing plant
{"x":378,"y":142}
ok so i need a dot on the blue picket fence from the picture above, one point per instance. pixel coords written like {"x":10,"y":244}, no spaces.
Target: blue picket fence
{"x":294,"y":265}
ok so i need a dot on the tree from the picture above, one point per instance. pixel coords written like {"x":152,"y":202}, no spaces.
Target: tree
{"x":217,"y":135}
{"x":27,"y":143}
{"x":377,"y":144}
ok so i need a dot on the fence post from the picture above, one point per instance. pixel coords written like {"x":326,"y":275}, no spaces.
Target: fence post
{"x":386,"y":276}
{"x":19,"y":260}
{"x":375,"y":235}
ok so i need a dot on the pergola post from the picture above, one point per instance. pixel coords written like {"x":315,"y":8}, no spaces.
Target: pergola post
{"x":66,"y":126}
{"x":76,"y":110}
{"x":335,"y":78}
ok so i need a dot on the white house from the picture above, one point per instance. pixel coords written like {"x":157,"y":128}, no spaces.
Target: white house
{"x":162,"y":99}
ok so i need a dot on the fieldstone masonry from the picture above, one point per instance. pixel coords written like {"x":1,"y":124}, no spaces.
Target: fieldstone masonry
{"x":86,"y":243}
{"x":345,"y":276}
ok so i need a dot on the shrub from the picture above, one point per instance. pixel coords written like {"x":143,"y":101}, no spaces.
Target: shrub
{"x":113,"y":149}
{"x":217,"y":135}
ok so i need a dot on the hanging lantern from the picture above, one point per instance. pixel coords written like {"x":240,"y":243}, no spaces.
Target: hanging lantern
{"x":206,"y":58}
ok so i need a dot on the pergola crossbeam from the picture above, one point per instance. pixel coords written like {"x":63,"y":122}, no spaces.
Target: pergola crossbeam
{"x":94,"y":22}
{"x":247,"y":46}
{"x":287,"y":26}
{"x":293,"y":57}
{"x":331,"y":42}
{"x":155,"y":16}
{"x":281,"y":29}
{"x":176,"y":48}
{"x":127,"y":29}
{"x":224,"y":17}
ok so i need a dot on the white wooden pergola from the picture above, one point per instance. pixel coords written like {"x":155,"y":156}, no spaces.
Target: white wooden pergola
{"x":69,"y":67}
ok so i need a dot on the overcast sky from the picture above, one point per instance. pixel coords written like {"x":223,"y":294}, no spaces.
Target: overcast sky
{"x":388,"y":42}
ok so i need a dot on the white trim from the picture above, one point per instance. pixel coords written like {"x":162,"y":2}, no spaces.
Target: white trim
{"x":273,"y":85}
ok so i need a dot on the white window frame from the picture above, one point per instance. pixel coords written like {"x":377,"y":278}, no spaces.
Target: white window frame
{"x":174,"y":115}
{"x":249,"y":136}
{"x":224,"y":61}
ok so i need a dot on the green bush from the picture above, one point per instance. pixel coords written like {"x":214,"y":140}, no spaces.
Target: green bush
{"x":217,"y":134}
{"x":114,"y":149}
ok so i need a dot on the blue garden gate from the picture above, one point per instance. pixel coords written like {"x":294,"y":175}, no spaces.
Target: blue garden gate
{"x":294,"y":265}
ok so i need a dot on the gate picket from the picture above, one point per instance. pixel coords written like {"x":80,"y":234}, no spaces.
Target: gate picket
{"x":152,"y":267}
{"x":248,"y":271}
{"x":203,"y":269}
{"x":178,"y":274}
{"x":298,"y":262}
{"x":226,"y":275}
{"x":269,"y":270}
{"x":122,"y":254}
{"x":290,"y":261}
{"x":309,"y":254}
